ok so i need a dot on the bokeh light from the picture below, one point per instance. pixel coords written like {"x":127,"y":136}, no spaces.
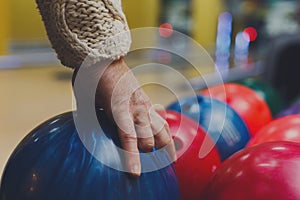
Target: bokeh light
{"x":166,"y":30}
{"x":251,"y":32}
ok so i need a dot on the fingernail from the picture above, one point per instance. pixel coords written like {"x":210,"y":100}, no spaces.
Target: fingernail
{"x":135,"y":170}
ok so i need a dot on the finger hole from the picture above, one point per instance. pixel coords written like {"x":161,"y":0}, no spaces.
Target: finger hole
{"x":141,"y":119}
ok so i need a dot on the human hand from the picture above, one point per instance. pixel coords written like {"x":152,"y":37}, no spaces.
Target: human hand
{"x":140,"y":127}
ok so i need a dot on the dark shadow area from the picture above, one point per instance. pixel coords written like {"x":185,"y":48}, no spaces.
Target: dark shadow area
{"x":283,"y":66}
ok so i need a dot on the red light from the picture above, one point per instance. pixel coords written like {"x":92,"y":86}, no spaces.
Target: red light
{"x":165,"y":30}
{"x":251,"y":32}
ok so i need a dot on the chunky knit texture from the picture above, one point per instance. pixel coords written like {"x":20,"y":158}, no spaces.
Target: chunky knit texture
{"x":81,"y":28}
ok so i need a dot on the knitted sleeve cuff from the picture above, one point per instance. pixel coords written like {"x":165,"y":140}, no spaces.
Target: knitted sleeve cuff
{"x":81,"y":28}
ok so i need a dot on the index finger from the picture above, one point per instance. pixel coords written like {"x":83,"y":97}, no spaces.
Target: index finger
{"x":129,"y":142}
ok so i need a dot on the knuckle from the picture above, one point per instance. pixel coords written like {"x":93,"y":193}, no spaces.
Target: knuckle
{"x":141,"y":121}
{"x":141,"y":117}
{"x":128,"y":138}
{"x":139,"y":113}
{"x":166,"y":141}
{"x":147,"y":145}
{"x":163,"y":138}
{"x":140,"y":99}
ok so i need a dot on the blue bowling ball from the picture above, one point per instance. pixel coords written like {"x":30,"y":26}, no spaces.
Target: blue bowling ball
{"x":220,"y":121}
{"x":51,"y":162}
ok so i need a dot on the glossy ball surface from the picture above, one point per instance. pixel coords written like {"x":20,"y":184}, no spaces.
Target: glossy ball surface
{"x":221,"y":122}
{"x":193,"y":169}
{"x":246,"y":102}
{"x":51,"y":162}
{"x":282,"y":129}
{"x":265,"y":91}
{"x":266,"y":171}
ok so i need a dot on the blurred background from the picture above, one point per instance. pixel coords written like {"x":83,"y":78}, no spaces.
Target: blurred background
{"x":235,"y":33}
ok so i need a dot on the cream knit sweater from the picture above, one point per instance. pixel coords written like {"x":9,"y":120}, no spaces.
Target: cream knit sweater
{"x":81,"y":28}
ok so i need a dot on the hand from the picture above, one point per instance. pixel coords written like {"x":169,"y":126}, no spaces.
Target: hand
{"x":139,"y":125}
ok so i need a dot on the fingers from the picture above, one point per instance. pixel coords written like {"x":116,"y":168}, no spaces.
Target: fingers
{"x":128,"y":140}
{"x":152,"y":130}
{"x":162,"y":136}
{"x":144,"y":130}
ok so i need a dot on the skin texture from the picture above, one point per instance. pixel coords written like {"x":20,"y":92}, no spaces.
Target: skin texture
{"x":140,"y":127}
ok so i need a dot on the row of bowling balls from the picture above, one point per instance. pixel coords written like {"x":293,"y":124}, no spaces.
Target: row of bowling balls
{"x":232,"y":113}
{"x":252,"y":166}
{"x":267,"y":168}
{"x":51,"y":162}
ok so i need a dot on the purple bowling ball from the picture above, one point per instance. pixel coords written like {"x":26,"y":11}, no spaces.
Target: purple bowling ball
{"x":291,"y":110}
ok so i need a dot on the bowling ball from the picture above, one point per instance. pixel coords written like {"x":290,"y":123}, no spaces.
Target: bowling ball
{"x":282,"y":129}
{"x":265,"y":91}
{"x":265,"y":171}
{"x":193,"y":171}
{"x":291,"y":110}
{"x":220,"y":121}
{"x":247,"y":103}
{"x":51,"y":162}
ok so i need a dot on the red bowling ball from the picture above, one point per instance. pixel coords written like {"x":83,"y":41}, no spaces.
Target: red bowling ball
{"x":193,"y":171}
{"x":266,"y":171}
{"x":245,"y":101}
{"x":282,"y":129}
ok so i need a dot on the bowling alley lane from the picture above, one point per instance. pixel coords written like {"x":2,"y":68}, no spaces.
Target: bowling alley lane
{"x":28,"y":97}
